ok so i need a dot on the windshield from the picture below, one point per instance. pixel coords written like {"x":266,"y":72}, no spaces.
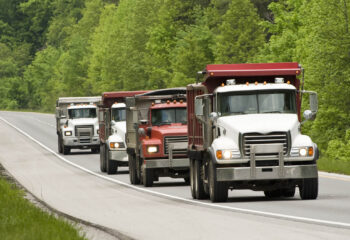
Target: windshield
{"x":118,"y":114}
{"x":257,"y":102}
{"x":169,"y":115}
{"x":82,"y":113}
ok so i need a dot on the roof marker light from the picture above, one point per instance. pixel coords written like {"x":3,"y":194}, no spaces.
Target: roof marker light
{"x":181,"y":101}
{"x":222,"y":84}
{"x":212,"y":74}
{"x":174,"y":101}
{"x":264,"y":82}
{"x":279,"y":80}
{"x":168,"y":101}
{"x":230,"y":81}
{"x":288,"y":82}
{"x":256,"y":82}
{"x":152,"y":103}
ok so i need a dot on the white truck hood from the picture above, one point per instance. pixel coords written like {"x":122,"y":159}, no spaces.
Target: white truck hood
{"x":119,"y":129}
{"x":261,"y":123}
{"x":83,"y":121}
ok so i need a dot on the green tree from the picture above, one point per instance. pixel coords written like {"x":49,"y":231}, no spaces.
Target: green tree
{"x":240,"y":34}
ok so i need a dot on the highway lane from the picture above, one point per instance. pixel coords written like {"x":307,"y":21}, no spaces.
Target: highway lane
{"x":333,"y":203}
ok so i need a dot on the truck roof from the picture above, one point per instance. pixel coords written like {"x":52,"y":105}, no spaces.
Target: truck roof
{"x":168,"y":93}
{"x":80,"y":106}
{"x":216,"y":74}
{"x":109,"y":98}
{"x":253,"y":87}
{"x":252,"y":69}
{"x":68,"y":100}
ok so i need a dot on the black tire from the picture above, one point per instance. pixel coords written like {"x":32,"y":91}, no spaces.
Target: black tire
{"x":134,"y":179}
{"x":59,"y":141}
{"x":66,"y":150}
{"x":187,"y":180}
{"x":218,"y":191}
{"x":273,"y":193}
{"x":102,"y":158}
{"x":95,"y":150}
{"x":198,"y":181}
{"x":308,"y":188}
{"x":192,"y":179}
{"x":111,"y":166}
{"x":288,"y":192}
{"x":147,"y":177}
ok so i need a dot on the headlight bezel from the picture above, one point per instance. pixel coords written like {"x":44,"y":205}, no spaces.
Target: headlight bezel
{"x":114,"y":145}
{"x":304,"y":151}
{"x":228,"y":154}
{"x":68,"y":133}
{"x":152,"y":149}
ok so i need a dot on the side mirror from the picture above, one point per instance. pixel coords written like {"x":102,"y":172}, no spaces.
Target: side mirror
{"x":141,"y":132}
{"x":198,"y":107}
{"x":308,"y":115}
{"x":213,"y":116}
{"x":313,"y":102}
{"x":112,"y":122}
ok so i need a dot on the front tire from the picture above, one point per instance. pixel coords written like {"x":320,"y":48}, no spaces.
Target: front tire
{"x":218,"y":191}
{"x":111,"y":166}
{"x":147,"y":177}
{"x":66,"y":150}
{"x":60,"y":150}
{"x":102,"y":158}
{"x":134,"y":179}
{"x":198,"y":181}
{"x":309,"y":188}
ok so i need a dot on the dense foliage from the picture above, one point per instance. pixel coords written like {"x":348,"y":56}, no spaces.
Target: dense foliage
{"x":52,"y":48}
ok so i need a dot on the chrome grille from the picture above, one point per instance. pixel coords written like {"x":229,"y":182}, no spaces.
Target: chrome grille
{"x":175,"y":139}
{"x":84,"y":133}
{"x":270,"y":138}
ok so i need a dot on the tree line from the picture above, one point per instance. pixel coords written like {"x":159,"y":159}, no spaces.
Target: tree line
{"x":53,"y":48}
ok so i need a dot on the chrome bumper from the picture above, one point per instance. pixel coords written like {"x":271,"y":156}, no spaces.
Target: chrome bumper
{"x":74,"y":142}
{"x":267,"y":173}
{"x":167,"y":163}
{"x":118,"y":155}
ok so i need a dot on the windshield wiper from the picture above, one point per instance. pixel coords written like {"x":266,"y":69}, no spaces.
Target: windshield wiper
{"x":162,"y":123}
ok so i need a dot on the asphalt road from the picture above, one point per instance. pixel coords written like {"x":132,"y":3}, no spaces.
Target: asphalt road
{"x":167,"y":209}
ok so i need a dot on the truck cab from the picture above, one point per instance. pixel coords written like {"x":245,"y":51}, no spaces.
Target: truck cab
{"x":77,"y":126}
{"x":249,"y":115}
{"x":113,"y":128}
{"x":159,"y":146}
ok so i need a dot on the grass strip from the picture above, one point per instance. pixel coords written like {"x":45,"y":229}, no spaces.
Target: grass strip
{"x":20,"y":219}
{"x":333,"y":166}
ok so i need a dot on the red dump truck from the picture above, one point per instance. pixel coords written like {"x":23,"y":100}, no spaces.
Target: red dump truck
{"x":244,"y":132}
{"x":112,"y":130}
{"x":156,"y":136}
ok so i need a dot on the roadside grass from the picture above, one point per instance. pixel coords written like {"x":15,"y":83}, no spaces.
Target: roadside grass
{"x":20,"y":219}
{"x":328,"y":165}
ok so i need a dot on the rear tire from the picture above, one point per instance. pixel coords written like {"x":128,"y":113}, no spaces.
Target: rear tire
{"x":111,"y":166}
{"x":192,"y":179}
{"x":309,"y":188}
{"x":102,"y":158}
{"x":218,"y":191}
{"x":147,"y":175}
{"x":288,"y":192}
{"x":198,"y":181}
{"x":132,"y":170}
{"x":273,"y":193}
{"x":66,"y":150}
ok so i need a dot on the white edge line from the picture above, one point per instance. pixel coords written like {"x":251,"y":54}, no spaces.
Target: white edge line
{"x":241,"y":210}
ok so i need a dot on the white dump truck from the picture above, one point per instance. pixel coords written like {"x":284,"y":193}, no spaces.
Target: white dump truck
{"x":77,"y":124}
{"x":244,"y":128}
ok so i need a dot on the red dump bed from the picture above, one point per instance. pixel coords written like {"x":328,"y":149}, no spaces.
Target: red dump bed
{"x":109,"y":98}
{"x":216,"y":74}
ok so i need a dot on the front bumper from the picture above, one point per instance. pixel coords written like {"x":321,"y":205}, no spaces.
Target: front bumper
{"x":266,"y":173}
{"x":75,"y":142}
{"x":167,"y":163}
{"x":119,"y":155}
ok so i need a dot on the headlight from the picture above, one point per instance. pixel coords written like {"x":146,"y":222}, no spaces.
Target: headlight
{"x":152,"y":149}
{"x":302,"y":152}
{"x":114,"y":145}
{"x":227,"y":154}
{"x":68,"y":133}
